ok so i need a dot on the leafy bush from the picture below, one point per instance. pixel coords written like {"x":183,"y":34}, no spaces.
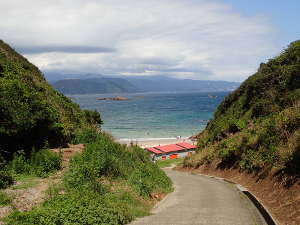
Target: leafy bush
{"x":44,"y":162}
{"x":83,"y":136}
{"x":19,"y":164}
{"x":41,"y":163}
{"x":6,"y":178}
{"x":105,"y":158}
{"x":93,"y":117}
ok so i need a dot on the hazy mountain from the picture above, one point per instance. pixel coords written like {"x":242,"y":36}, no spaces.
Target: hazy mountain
{"x":97,"y":83}
{"x":162,"y":83}
{"x":53,"y":76}
{"x":94,"y":85}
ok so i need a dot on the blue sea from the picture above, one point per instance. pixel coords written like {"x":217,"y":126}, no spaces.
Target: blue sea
{"x":153,"y":115}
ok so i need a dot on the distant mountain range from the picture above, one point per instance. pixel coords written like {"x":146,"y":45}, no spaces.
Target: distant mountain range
{"x":162,"y":83}
{"x":94,"y":86}
{"x":101,"y":84}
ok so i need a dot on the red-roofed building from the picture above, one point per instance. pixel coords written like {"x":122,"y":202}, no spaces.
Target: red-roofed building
{"x":171,"y":151}
{"x":186,"y":145}
{"x":154,"y":150}
{"x":169,"y":148}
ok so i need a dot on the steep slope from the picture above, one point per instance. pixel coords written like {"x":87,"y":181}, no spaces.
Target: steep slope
{"x":31,"y":111}
{"x":258,"y":125}
{"x":94,"y":86}
{"x":254,"y":137}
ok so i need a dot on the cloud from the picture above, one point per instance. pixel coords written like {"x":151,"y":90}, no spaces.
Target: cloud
{"x":65,"y":49}
{"x":203,"y":39}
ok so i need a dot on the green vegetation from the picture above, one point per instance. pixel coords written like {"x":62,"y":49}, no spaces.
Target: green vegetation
{"x":32,"y":112}
{"x":25,"y":181}
{"x":6,"y":178}
{"x":169,"y":162}
{"x":108,"y":183}
{"x":5,"y":199}
{"x":41,"y":163}
{"x":258,"y":126}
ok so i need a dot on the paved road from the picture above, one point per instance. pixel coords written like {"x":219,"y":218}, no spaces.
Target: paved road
{"x":202,"y":200}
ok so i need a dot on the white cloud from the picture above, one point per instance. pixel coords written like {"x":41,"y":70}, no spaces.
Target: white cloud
{"x":202,"y":39}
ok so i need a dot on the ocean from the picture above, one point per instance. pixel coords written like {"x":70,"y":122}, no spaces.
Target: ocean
{"x":153,"y":115}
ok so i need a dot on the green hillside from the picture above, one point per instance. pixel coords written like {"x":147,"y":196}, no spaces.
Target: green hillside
{"x":31,"y":111}
{"x":258,"y":125}
{"x":104,"y":183}
{"x":108,"y":183}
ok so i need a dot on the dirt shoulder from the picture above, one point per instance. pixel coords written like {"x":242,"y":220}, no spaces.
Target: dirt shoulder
{"x":31,"y":191}
{"x":281,"y":200}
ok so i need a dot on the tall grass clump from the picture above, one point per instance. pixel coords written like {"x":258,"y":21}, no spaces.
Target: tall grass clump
{"x":84,"y":136}
{"x":106,"y":158}
{"x":5,"y":199}
{"x":40,"y":163}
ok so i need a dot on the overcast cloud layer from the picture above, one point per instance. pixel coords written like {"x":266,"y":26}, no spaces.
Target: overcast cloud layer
{"x":200,"y":39}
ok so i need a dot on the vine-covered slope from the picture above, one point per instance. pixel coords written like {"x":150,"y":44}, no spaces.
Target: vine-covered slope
{"x":31,"y":111}
{"x":258,"y":125}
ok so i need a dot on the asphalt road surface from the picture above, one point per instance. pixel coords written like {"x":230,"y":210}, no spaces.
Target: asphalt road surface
{"x":202,"y":200}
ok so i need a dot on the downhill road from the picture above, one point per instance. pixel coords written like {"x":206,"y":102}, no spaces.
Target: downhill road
{"x":202,"y":200}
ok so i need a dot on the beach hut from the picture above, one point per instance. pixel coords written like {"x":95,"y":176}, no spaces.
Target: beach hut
{"x":171,"y":151}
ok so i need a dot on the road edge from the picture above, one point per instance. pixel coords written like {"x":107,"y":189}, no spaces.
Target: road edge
{"x":265,"y":213}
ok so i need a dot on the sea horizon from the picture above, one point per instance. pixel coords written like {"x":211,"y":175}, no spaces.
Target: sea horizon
{"x":153,"y":115}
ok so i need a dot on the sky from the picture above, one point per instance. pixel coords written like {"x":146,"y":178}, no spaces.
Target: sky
{"x":197,"y":39}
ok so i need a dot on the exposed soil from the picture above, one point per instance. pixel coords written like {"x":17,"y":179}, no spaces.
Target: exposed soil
{"x":282,"y":201}
{"x":26,"y":199}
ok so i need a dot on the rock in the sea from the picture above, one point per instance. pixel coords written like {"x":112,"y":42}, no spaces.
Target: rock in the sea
{"x":118,"y":98}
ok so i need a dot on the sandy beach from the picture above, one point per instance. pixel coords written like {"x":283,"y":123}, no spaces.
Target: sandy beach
{"x":148,"y":142}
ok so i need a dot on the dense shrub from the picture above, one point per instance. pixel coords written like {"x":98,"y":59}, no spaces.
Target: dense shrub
{"x":6,"y":178}
{"x":105,"y":158}
{"x":83,"y":136}
{"x":93,"y":117}
{"x":41,"y":163}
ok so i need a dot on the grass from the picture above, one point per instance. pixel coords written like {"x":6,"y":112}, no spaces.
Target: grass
{"x":5,"y":199}
{"x":26,"y":181}
{"x":169,"y":162}
{"x":41,"y":163}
